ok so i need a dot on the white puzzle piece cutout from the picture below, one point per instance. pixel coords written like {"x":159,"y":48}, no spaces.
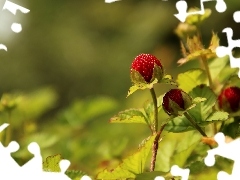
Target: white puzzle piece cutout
{"x":15,"y":27}
{"x":111,"y":1}
{"x":33,"y":169}
{"x":222,"y":51}
{"x":177,"y":171}
{"x":227,"y":150}
{"x":182,"y":6}
{"x":236,"y":16}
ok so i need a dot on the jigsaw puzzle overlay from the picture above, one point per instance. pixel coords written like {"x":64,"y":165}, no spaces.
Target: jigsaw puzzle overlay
{"x":33,"y":169}
{"x":15,"y":27}
{"x":221,"y":6}
{"x":228,"y":150}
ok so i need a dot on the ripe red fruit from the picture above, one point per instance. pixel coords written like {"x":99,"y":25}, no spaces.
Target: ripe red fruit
{"x":144,"y":64}
{"x":229,"y":99}
{"x":176,"y":100}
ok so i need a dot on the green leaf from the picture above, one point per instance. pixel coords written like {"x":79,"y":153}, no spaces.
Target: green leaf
{"x":141,"y":84}
{"x":200,"y":112}
{"x":149,"y":108}
{"x":130,"y":116}
{"x":218,"y":116}
{"x":190,"y":79}
{"x":137,"y":78}
{"x":214,"y":42}
{"x":75,"y":174}
{"x":150,"y":175}
{"x":231,"y":128}
{"x":51,"y":164}
{"x":175,"y":149}
{"x":234,"y":80}
{"x":167,"y":79}
{"x":181,"y":157}
{"x":132,"y":165}
{"x":179,"y":124}
{"x":198,"y":100}
{"x":197,"y":167}
{"x":203,"y":109}
{"x":221,"y":70}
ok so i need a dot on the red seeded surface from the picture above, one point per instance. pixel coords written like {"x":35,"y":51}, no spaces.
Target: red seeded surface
{"x":144,"y":64}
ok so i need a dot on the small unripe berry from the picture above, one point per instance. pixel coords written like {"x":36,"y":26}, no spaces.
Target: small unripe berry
{"x":176,"y":100}
{"x":144,"y":64}
{"x":229,"y":99}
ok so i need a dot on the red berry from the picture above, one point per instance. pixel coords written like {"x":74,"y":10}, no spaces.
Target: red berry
{"x":144,"y":64}
{"x":229,"y":99}
{"x":176,"y":100}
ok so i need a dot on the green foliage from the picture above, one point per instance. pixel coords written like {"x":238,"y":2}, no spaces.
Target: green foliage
{"x":175,"y":149}
{"x":51,"y":164}
{"x":130,"y":116}
{"x":191,"y":78}
{"x":79,"y":130}
{"x":132,"y":165}
{"x":141,"y":84}
{"x":202,"y":113}
{"x":75,"y":174}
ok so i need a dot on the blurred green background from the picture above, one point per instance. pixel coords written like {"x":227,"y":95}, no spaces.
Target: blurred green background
{"x":68,"y":72}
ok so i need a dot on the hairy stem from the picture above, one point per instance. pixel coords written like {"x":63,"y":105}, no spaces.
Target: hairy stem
{"x":154,"y":98}
{"x":155,"y":148}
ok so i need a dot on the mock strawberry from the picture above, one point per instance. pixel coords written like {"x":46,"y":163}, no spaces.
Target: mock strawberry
{"x":144,"y":64}
{"x":176,"y":100}
{"x":229,"y":99}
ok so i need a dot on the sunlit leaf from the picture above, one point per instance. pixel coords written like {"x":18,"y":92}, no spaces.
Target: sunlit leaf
{"x":130,"y":116}
{"x":234,"y":80}
{"x":220,"y":69}
{"x":218,"y":116}
{"x":150,"y":175}
{"x":51,"y":164}
{"x":203,"y":109}
{"x":141,"y":84}
{"x":167,"y":79}
{"x":191,"y":78}
{"x":175,"y":149}
{"x":75,"y":174}
{"x":132,"y":165}
{"x":214,"y":43}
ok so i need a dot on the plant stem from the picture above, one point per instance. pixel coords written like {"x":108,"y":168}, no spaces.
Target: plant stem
{"x":194,"y":124}
{"x":8,"y":132}
{"x":155,"y":130}
{"x":204,"y":60}
{"x":205,"y":63}
{"x":155,"y":148}
{"x":155,"y":123}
